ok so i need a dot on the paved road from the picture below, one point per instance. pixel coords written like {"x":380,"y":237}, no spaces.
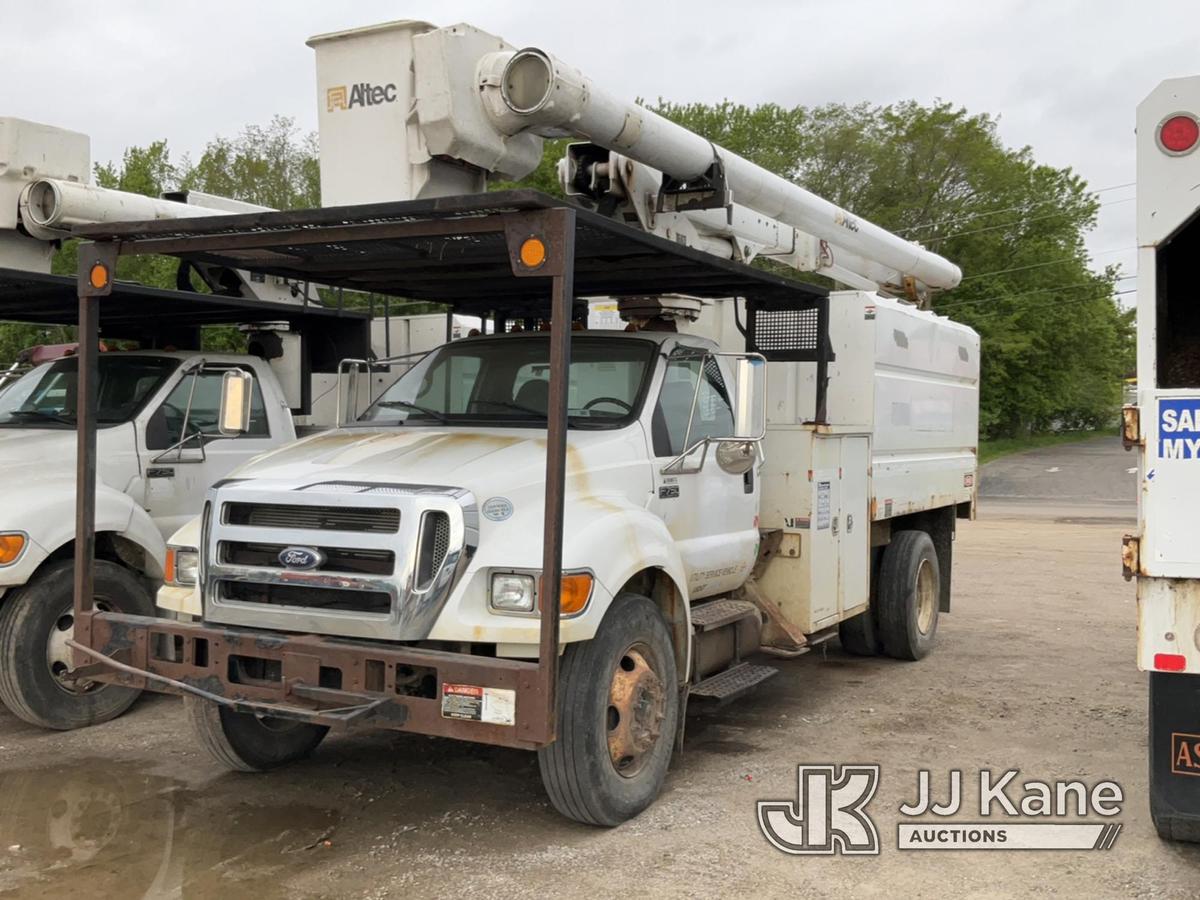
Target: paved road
{"x":1034,"y":670}
{"x":1094,"y":479}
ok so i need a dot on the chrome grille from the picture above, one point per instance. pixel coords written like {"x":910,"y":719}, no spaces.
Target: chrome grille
{"x":432,"y":550}
{"x":371,"y":519}
{"x":337,"y":559}
{"x":306,"y":597}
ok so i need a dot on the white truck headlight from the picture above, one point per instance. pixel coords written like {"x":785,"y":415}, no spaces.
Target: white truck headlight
{"x":183,"y":566}
{"x":512,"y":592}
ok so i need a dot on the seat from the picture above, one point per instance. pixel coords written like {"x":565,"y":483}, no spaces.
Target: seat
{"x":534,"y":395}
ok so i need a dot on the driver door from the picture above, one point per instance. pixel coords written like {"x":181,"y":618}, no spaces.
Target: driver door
{"x":178,"y":475}
{"x":712,"y":514}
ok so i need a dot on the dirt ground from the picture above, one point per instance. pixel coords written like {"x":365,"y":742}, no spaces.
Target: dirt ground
{"x":1034,"y":670}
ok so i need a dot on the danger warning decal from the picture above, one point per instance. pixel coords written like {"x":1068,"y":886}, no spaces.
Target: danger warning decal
{"x":479,"y":704}
{"x":1179,"y":428}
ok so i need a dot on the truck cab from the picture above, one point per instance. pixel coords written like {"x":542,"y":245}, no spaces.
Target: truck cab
{"x":454,"y":451}
{"x":160,"y":448}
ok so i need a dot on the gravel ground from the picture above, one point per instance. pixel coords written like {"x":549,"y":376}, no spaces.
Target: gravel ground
{"x":1034,"y":670}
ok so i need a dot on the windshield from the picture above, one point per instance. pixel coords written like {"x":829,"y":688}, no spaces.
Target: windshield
{"x":46,"y":397}
{"x":504,"y":381}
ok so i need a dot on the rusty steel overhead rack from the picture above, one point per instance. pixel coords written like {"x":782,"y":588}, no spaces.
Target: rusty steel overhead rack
{"x":462,"y":251}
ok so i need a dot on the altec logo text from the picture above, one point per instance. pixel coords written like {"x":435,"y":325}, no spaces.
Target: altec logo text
{"x":362,"y":94}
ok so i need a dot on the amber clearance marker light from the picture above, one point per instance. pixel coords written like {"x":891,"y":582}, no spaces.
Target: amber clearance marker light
{"x":98,"y":276}
{"x":533,"y":252}
{"x":11,"y":546}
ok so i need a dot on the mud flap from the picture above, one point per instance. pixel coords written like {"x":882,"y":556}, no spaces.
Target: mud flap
{"x":1175,"y":754}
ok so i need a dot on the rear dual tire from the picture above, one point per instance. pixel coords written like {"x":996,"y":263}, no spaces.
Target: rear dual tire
{"x":902,"y":620}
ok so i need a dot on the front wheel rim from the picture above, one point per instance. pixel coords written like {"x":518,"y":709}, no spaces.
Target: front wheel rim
{"x":59,"y":656}
{"x":637,"y":707}
{"x":927,"y":599}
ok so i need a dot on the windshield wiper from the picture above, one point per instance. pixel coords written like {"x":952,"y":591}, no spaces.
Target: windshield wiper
{"x":406,"y":404}
{"x":508,"y":404}
{"x":40,"y":414}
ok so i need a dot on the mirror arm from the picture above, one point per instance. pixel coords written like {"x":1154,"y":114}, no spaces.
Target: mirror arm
{"x":675,"y":466}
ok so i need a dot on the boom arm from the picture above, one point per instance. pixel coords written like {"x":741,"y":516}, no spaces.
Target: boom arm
{"x":538,"y":92}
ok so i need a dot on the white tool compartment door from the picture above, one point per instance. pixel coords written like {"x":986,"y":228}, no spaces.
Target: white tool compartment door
{"x":825,"y":526}
{"x":854,"y":564}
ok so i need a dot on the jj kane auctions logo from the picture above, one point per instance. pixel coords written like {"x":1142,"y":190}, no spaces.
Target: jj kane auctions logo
{"x":829,"y":813}
{"x":362,"y":94}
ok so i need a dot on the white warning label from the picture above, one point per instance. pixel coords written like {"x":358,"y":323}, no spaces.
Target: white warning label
{"x":823,"y":505}
{"x":479,"y":704}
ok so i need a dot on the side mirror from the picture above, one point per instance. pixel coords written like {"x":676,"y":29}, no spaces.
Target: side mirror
{"x":237,"y":391}
{"x":750,"y":399}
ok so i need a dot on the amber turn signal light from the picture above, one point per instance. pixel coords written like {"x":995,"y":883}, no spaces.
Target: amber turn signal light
{"x":11,"y":546}
{"x":576,"y":589}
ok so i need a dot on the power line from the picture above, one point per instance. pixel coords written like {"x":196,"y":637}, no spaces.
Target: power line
{"x":1024,"y":221}
{"x":1050,"y":263}
{"x":1076,"y":285}
{"x":1029,"y":306}
{"x":995,"y":212}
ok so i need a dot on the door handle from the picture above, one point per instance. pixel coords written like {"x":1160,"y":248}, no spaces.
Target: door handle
{"x":835,"y":524}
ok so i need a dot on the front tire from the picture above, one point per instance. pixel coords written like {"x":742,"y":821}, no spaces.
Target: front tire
{"x":618,"y":710}
{"x":35,"y":622}
{"x":910,"y":584}
{"x":246,"y":743}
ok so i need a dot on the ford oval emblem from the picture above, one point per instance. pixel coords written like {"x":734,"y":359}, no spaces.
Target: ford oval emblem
{"x":301,"y":557}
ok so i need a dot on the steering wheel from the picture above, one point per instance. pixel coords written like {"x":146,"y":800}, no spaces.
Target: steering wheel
{"x":614,"y":400}
{"x":172,"y":414}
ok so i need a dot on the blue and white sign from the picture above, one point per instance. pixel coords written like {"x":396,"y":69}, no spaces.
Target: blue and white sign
{"x":1179,"y":428}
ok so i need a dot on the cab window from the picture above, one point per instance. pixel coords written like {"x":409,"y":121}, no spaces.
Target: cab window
{"x":714,"y":413}
{"x":165,"y":428}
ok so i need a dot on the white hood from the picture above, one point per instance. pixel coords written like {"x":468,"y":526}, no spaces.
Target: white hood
{"x":486,"y":462}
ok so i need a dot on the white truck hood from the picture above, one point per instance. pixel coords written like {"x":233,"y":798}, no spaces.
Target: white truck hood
{"x":48,"y":454}
{"x":487,"y":462}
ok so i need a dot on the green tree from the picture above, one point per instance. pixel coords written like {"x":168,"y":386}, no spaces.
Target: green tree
{"x":1055,"y":343}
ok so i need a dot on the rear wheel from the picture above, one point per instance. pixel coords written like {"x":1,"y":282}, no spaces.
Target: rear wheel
{"x":618,"y":709}
{"x":248,"y":743}
{"x":909,"y":593}
{"x":860,"y":635}
{"x":36,"y":621}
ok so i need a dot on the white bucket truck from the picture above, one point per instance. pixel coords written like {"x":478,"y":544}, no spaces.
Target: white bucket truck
{"x":549,"y":537}
{"x":158,"y":439}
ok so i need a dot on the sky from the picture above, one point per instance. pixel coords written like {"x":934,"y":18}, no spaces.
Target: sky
{"x":1063,"y":76}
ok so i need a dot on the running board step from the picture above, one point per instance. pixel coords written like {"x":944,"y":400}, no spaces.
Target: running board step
{"x":732,"y":683}
{"x":718,"y":613}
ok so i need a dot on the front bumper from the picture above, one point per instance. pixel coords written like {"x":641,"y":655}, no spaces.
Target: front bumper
{"x":328,"y":681}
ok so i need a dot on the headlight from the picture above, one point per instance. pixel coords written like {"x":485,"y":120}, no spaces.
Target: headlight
{"x":183,"y":566}
{"x":12,"y":544}
{"x":512,"y":592}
